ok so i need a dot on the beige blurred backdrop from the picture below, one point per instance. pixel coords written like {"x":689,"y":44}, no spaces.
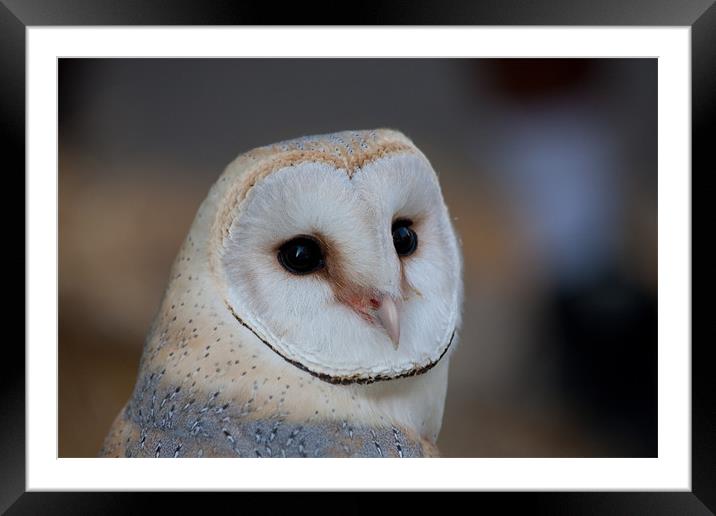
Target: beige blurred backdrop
{"x":548,"y":168}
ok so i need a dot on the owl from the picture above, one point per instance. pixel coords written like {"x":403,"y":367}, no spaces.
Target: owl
{"x":311,"y":311}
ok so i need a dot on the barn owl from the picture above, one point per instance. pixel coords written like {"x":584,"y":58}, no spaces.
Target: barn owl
{"x":311,"y":311}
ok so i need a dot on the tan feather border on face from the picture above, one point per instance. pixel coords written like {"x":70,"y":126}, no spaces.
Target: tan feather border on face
{"x":293,"y":158}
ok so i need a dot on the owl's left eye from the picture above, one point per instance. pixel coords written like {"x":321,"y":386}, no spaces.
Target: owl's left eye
{"x":405,"y":239}
{"x":301,"y":255}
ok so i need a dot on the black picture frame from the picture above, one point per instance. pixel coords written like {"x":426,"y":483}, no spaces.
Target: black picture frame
{"x":17,"y":15}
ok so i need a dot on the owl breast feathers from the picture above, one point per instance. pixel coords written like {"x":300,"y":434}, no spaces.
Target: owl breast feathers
{"x":311,"y":311}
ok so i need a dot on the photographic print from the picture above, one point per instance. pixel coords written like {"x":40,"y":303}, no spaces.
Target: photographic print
{"x":357,"y":257}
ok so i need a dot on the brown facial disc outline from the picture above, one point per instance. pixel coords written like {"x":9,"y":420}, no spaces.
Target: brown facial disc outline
{"x":344,"y":380}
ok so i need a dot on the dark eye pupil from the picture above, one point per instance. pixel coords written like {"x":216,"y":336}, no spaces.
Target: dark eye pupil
{"x":405,"y":239}
{"x":301,"y":255}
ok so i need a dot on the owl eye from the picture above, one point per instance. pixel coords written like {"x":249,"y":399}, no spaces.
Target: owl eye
{"x":301,"y":255}
{"x":405,"y":239}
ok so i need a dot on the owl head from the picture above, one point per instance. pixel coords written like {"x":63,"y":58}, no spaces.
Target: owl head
{"x":337,"y":252}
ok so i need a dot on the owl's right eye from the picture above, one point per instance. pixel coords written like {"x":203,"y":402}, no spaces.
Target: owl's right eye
{"x":301,"y":255}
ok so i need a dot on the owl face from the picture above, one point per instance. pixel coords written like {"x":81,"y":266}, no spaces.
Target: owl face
{"x":344,"y":263}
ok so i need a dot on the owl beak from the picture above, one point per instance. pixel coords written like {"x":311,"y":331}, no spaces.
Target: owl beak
{"x":387,"y":315}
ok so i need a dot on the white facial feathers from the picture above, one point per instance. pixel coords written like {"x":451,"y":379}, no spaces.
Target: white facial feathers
{"x":332,"y":322}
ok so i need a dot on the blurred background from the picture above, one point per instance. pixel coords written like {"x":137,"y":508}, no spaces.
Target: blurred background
{"x":548,"y":166}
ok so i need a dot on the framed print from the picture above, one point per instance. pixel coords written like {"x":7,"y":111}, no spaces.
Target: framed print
{"x":462,"y":239}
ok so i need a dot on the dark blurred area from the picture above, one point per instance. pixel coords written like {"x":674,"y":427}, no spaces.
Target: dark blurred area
{"x":548,"y":166}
